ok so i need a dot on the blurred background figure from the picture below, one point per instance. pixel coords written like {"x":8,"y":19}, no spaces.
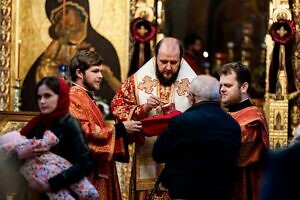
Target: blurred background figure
{"x":194,"y":53}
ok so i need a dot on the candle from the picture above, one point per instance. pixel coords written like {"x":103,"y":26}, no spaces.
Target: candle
{"x":19,"y":60}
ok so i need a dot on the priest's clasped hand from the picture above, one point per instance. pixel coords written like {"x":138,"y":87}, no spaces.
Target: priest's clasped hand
{"x":132,"y":126}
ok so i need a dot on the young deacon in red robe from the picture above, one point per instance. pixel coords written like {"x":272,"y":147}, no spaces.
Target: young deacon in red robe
{"x":106,"y":143}
{"x":235,"y":80}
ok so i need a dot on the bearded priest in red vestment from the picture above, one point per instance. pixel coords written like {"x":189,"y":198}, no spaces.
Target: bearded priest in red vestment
{"x":164,"y":79}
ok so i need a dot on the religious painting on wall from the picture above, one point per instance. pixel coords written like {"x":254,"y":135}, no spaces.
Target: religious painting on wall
{"x":51,"y":31}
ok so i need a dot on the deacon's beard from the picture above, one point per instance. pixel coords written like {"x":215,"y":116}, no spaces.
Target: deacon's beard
{"x":162,"y":80}
{"x":88,"y":86}
{"x":234,"y":100}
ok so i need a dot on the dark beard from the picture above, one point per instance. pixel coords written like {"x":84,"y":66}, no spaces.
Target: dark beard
{"x":87,"y":85}
{"x":162,"y":80}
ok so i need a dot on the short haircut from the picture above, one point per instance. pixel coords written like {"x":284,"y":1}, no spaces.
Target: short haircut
{"x":243,"y":73}
{"x":206,"y":88}
{"x":161,"y":41}
{"x":83,"y":60}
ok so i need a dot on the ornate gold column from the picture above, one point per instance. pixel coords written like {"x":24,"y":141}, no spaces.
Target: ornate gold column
{"x":5,"y":53}
{"x":274,"y":109}
{"x":295,"y":107}
{"x":277,"y":105}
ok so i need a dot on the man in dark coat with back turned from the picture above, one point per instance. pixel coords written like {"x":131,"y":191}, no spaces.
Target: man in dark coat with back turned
{"x":200,"y":147}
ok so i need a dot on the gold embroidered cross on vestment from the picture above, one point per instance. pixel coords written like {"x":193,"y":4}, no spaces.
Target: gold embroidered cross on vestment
{"x":182,"y":86}
{"x":147,"y":84}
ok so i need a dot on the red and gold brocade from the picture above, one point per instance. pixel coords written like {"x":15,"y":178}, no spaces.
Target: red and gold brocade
{"x":101,"y":140}
{"x":255,"y":141}
{"x":124,"y":105}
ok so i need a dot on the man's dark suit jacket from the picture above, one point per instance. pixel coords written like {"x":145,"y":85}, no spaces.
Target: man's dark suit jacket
{"x":200,"y":149}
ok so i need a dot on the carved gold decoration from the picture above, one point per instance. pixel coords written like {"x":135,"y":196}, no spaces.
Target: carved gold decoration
{"x":278,"y":115}
{"x":144,"y":11}
{"x":294,"y":116}
{"x":277,"y":106}
{"x":296,"y":9}
{"x":269,"y":48}
{"x":296,"y":17}
{"x":160,"y":15}
{"x":133,"y":7}
{"x":5,"y":53}
{"x":281,"y":13}
{"x":17,"y":95}
{"x":10,"y":121}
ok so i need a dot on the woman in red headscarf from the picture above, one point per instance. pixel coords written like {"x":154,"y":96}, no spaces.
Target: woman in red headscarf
{"x":53,"y":101}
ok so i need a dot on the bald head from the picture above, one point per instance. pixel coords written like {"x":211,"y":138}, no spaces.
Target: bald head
{"x":169,"y":44}
{"x":205,"y":88}
{"x":168,"y":54}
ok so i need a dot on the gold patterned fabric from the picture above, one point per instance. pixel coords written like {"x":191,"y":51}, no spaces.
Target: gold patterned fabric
{"x":101,"y":140}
